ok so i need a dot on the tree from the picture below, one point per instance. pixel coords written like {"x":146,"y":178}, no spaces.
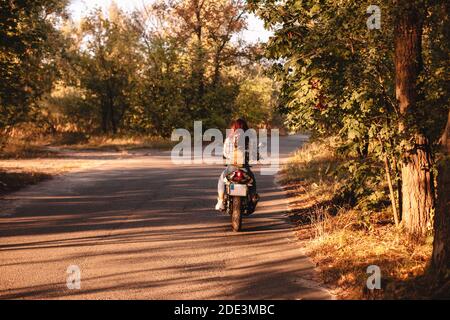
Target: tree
{"x":109,"y":63}
{"x":417,"y":111}
{"x":418,"y":191}
{"x":154,"y":70}
{"x":256,"y":101}
{"x":29,"y":44}
{"x":158,"y":100}
{"x":206,"y":27}
{"x":339,"y":78}
{"x":441,"y":244}
{"x":192,"y":66}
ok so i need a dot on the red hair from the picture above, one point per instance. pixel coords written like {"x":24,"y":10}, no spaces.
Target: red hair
{"x":239,"y":124}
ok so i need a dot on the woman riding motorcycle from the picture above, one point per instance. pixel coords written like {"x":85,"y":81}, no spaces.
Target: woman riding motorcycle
{"x":238,"y":127}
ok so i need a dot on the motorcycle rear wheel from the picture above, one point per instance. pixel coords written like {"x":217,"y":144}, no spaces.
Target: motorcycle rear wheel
{"x":236,"y":217}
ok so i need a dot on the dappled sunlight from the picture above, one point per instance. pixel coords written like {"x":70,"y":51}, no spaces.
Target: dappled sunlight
{"x":153,"y":234}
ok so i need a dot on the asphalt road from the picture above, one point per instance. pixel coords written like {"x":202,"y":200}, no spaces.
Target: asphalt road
{"x":139,"y":227}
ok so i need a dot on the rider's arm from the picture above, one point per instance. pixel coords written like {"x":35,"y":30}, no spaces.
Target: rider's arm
{"x":227,"y":148}
{"x":253,"y":150}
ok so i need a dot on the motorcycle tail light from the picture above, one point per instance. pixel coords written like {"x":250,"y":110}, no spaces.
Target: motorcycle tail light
{"x":239,"y":175}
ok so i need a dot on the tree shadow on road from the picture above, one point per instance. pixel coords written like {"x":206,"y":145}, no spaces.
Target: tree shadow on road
{"x":137,"y":241}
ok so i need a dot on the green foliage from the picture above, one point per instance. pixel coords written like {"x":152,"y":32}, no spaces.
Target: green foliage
{"x":108,"y":63}
{"x":256,"y":101}
{"x":338,"y":78}
{"x":362,"y":187}
{"x":147,"y":72}
{"x":67,"y":109}
{"x":29,"y":46}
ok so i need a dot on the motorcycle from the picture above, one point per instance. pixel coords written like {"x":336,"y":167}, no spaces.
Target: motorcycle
{"x":239,"y":201}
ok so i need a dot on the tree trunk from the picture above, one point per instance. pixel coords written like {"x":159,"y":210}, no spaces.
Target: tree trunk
{"x":445,"y":138}
{"x":112,"y":114}
{"x":216,"y":76}
{"x":199,"y":68}
{"x":387,"y":168}
{"x":111,"y":106}
{"x":391,"y":191}
{"x":399,"y":187}
{"x":441,"y":244}
{"x":104,"y":116}
{"x":417,"y":189}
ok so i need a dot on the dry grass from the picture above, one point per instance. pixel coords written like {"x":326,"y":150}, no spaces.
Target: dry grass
{"x":120,"y":143}
{"x":11,"y":181}
{"x":18,"y":173}
{"x":33,"y":147}
{"x":343,"y":242}
{"x":25,"y":149}
{"x":343,"y":249}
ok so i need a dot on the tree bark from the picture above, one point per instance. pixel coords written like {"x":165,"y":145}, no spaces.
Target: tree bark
{"x":112,"y":114}
{"x":199,"y":69}
{"x":441,"y":244}
{"x":418,"y":193}
{"x":399,"y":188}
{"x":391,"y":191}
{"x":104,"y":116}
{"x":111,"y":107}
{"x":387,"y":168}
{"x":445,"y":138}
{"x":216,"y":76}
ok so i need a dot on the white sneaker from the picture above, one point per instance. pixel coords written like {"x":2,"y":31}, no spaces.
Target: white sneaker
{"x":220,"y":206}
